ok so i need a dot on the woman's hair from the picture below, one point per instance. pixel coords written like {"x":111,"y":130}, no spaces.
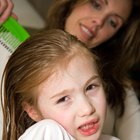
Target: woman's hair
{"x":128,"y":64}
{"x":34,"y":61}
{"x":122,"y":52}
{"x":111,"y":51}
{"x":59,"y":11}
{"x":129,"y":50}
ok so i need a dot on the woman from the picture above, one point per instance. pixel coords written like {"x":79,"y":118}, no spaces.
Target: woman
{"x":98,"y":23}
{"x":109,"y":28}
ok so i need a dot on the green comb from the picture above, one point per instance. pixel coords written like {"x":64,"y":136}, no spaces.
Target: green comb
{"x":12,"y":34}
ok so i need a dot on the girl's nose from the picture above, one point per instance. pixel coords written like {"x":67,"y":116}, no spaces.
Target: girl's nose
{"x":85,"y":108}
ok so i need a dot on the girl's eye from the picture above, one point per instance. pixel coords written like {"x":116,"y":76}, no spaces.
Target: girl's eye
{"x":63,"y":99}
{"x":96,"y":4}
{"x":90,"y":87}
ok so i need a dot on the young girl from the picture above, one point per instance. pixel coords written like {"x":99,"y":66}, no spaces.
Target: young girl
{"x":110,"y":28}
{"x":53,"y":76}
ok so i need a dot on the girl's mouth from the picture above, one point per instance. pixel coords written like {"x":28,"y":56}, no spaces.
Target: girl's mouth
{"x":89,"y":128}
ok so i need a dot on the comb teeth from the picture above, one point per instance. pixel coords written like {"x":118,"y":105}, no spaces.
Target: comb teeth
{"x":8,"y":40}
{"x":12,"y":34}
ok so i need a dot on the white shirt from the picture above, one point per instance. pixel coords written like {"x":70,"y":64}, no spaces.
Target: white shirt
{"x":51,"y":130}
{"x":128,"y":126}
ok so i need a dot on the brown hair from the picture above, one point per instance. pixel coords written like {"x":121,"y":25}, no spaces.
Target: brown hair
{"x":33,"y":62}
{"x":111,"y":51}
{"x":128,"y":64}
{"x":59,"y":11}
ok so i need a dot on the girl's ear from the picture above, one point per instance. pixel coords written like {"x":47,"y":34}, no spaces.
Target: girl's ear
{"x":31,"y":111}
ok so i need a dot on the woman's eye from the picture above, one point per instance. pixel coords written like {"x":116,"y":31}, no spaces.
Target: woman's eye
{"x":63,"y":99}
{"x":112,"y":23}
{"x":96,"y":4}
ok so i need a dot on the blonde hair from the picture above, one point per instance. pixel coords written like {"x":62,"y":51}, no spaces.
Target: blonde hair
{"x":32,"y":63}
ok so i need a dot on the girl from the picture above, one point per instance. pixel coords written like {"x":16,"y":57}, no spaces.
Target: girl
{"x":54,"y":76}
{"x":111,"y":29}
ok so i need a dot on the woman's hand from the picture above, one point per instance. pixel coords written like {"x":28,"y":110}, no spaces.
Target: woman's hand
{"x":6,"y":7}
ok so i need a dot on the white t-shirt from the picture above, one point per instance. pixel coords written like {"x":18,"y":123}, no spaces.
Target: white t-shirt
{"x":46,"y":130}
{"x":51,"y":130}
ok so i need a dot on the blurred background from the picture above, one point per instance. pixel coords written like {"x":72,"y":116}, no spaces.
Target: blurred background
{"x":31,"y":13}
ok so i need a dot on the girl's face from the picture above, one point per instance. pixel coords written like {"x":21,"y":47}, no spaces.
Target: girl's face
{"x":75,"y":98}
{"x":98,"y":20}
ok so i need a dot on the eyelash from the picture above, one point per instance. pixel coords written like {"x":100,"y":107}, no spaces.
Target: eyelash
{"x":112,"y":23}
{"x":61,"y":100}
{"x":91,"y":87}
{"x":96,"y":4}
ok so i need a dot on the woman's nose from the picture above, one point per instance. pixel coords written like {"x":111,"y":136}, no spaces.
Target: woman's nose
{"x":85,"y":108}
{"x":98,"y":22}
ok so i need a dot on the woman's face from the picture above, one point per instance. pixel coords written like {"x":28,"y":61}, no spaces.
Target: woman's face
{"x":75,"y":98}
{"x":98,"y":20}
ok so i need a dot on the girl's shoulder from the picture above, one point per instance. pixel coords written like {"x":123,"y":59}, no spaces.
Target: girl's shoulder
{"x":46,"y":130}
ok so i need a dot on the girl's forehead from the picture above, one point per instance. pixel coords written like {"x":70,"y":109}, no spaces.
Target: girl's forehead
{"x":78,"y":64}
{"x":75,"y":76}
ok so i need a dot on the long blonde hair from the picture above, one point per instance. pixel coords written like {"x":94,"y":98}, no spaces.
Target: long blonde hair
{"x":32,"y":63}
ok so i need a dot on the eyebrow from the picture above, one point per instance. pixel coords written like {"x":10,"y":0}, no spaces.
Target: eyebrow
{"x":123,"y":20}
{"x":62,"y":93}
{"x":92,"y":78}
{"x":106,"y":2}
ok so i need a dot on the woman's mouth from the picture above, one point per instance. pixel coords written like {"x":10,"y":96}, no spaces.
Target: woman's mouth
{"x":86,"y":33}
